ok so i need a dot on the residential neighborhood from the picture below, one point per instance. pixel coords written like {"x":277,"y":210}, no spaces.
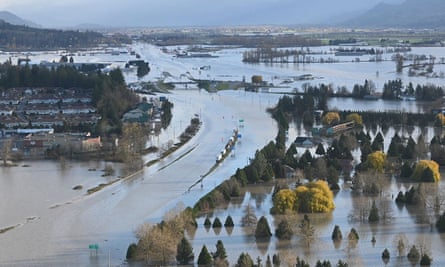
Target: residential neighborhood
{"x":47,"y":120}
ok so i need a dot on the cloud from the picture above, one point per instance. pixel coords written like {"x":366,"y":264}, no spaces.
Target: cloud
{"x":178,"y":12}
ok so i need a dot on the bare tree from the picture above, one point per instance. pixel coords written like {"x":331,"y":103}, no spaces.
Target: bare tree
{"x":6,"y":151}
{"x":307,"y":231}
{"x":156,"y":244}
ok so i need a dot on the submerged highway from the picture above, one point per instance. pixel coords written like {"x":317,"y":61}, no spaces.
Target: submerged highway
{"x":62,"y":233}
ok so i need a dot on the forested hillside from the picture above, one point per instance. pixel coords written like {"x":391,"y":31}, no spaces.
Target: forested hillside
{"x":19,"y":38}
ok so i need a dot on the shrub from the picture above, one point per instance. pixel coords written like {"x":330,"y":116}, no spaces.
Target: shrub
{"x":385,"y":254}
{"x":413,"y":255}
{"x":425,"y":260}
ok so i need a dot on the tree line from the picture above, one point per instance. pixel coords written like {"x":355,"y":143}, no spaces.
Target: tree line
{"x":21,"y":38}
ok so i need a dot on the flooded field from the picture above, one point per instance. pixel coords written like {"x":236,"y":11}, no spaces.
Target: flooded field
{"x":54,"y":224}
{"x":411,"y":224}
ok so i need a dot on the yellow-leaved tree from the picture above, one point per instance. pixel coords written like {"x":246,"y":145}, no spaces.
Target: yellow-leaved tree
{"x":283,"y":200}
{"x":376,"y":160}
{"x":356,"y":118}
{"x":331,"y":118}
{"x":426,"y":171}
{"x":314,"y":197}
{"x":440,"y":119}
{"x":322,"y":198}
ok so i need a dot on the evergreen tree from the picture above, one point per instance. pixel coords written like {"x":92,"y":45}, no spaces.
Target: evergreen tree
{"x":284,"y":230}
{"x":320,"y":150}
{"x":377,"y":144}
{"x":268,"y":261}
{"x":395,"y":147}
{"x":324,"y":263}
{"x":440,"y":223}
{"x":301,"y":263}
{"x":184,"y":252}
{"x":410,"y":149}
{"x":400,"y":199}
{"x":204,"y":258}
{"x":336,"y":234}
{"x":262,"y":229}
{"x":341,"y":264}
{"x":207,"y":222}
{"x":228,"y":222}
{"x":217,"y":223}
{"x":276,"y":260}
{"x":365,"y":150}
{"x":220,"y":250}
{"x":244,"y":260}
{"x":406,"y":170}
{"x":373,"y":213}
{"x":427,"y":176}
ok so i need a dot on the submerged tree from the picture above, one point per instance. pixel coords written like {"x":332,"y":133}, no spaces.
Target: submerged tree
{"x":184,"y":252}
{"x":220,"y":256}
{"x":421,"y":171}
{"x":307,"y":231}
{"x":336,"y":234}
{"x":413,"y":255}
{"x":385,"y":256}
{"x":373,"y":213}
{"x":284,"y":230}
{"x":229,"y":222}
{"x":244,"y":260}
{"x":262,"y":229}
{"x":204,"y":258}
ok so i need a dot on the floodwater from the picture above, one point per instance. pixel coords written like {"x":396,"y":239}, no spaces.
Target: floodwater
{"x":54,"y":224}
{"x":411,"y":224}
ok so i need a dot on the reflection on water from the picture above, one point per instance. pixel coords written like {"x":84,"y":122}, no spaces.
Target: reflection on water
{"x":412,"y":225}
{"x":352,"y":104}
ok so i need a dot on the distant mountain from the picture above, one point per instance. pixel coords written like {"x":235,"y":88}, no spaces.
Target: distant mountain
{"x":15,"y":20}
{"x":409,"y":14}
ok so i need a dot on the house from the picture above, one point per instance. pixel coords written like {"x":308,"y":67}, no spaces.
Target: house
{"x":91,"y":144}
{"x":12,"y":122}
{"x":302,"y":141}
{"x":135,"y":116}
{"x":289,"y":172}
{"x":77,"y":108}
{"x":42,"y":109}
{"x":5,"y":110}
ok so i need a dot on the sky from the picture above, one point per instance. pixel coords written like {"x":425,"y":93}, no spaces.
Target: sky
{"x":156,"y":13}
